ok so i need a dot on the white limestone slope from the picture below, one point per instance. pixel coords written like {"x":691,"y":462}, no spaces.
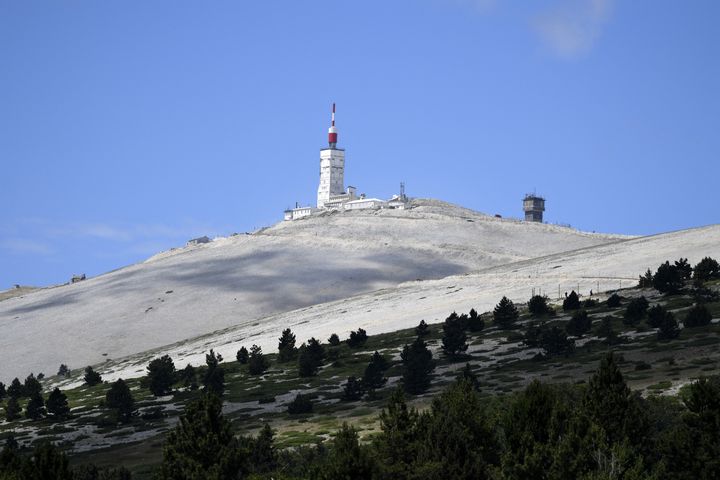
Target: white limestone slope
{"x":237,"y":280}
{"x":606,"y":267}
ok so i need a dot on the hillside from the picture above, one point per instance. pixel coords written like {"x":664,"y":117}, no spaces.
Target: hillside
{"x":253,"y":279}
{"x":600,"y":268}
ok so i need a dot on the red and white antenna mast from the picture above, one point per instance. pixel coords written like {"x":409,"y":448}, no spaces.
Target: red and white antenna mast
{"x":332,"y":131}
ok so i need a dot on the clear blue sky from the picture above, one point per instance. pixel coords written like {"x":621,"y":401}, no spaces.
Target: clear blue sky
{"x":127,"y":128}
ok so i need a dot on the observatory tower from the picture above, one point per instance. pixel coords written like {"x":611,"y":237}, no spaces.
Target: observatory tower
{"x":534,"y":206}
{"x":332,"y":167}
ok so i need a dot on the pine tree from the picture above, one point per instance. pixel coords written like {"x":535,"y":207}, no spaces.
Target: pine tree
{"x":636,"y":310}
{"x":242,"y":356}
{"x":348,"y":459}
{"x":263,"y":455}
{"x":454,"y":340}
{"x":467,"y":375}
{"x":707,"y":269}
{"x":63,"y":371}
{"x":610,"y":404}
{"x":357,"y":339}
{"x":571,"y":302}
{"x":418,"y":364}
{"x":92,"y":378}
{"x":203,"y":445}
{"x":554,"y":341}
{"x":286,"y":346}
{"x":119,"y":399}
{"x":397,"y":447}
{"x":528,"y":427}
{"x":538,"y":306}
{"x":668,"y":279}
{"x":579,"y":324}
{"x":684,"y":268}
{"x":12,"y":409}
{"x":646,"y":281}
{"x":475,"y":322}
{"x":57,"y":404}
{"x":214,"y":378}
{"x":35,"y":408}
{"x":614,"y":301}
{"x":3,"y":392}
{"x":668,"y":328}
{"x":16,"y":390}
{"x":373,"y":377}
{"x":505,"y":313}
{"x":48,"y":463}
{"x":257,"y":363}
{"x":334,"y":340}
{"x":353,"y":390}
{"x":311,"y":357}
{"x":32,"y":386}
{"x":458,"y":441}
{"x":188,"y":377}
{"x":161,"y":375}
{"x":422,"y":329}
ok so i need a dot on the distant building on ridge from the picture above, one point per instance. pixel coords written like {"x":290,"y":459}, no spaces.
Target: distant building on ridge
{"x":534,"y":206}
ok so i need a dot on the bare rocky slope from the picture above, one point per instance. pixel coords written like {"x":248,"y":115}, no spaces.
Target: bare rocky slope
{"x":244,"y":280}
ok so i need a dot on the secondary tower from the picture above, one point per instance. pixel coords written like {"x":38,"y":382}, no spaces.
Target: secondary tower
{"x":534,"y":206}
{"x":332,"y":167}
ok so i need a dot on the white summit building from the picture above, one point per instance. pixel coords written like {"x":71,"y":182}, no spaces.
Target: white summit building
{"x":331,"y":193}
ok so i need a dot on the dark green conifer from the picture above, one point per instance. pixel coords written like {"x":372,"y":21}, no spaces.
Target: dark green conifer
{"x":374,"y":378}
{"x":257,"y":363}
{"x":353,"y":390}
{"x":92,"y":377}
{"x":697,"y":316}
{"x":203,"y":445}
{"x":348,"y":459}
{"x":214,"y":378}
{"x":57,"y":404}
{"x":242,"y":356}
{"x":475,"y":322}
{"x":571,"y":302}
{"x":668,"y":329}
{"x":505,"y":313}
{"x":417,"y":366}
{"x":579,"y":324}
{"x":422,"y":329}
{"x":454,"y":339}
{"x":120,"y":401}
{"x":35,"y":408}
{"x":161,"y":375}
{"x":286,"y":346}
{"x":12,"y":409}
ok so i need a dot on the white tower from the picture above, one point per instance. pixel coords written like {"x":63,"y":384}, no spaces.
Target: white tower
{"x":332,"y":167}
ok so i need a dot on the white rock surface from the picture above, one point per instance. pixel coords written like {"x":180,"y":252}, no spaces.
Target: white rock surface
{"x":324,"y":274}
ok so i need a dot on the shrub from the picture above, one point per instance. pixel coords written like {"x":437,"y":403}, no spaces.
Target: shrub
{"x":538,"y":306}
{"x":614,"y":301}
{"x":554,"y":341}
{"x":697,"y":316}
{"x":579,"y":324}
{"x":606,"y":331}
{"x":300,"y":404}
{"x":684,"y":268}
{"x":635,"y":310}
{"x":571,"y":302}
{"x":357,"y":339}
{"x":334,"y":340}
{"x":505,"y":313}
{"x":63,"y":371}
{"x":214,"y":378}
{"x":590,"y":303}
